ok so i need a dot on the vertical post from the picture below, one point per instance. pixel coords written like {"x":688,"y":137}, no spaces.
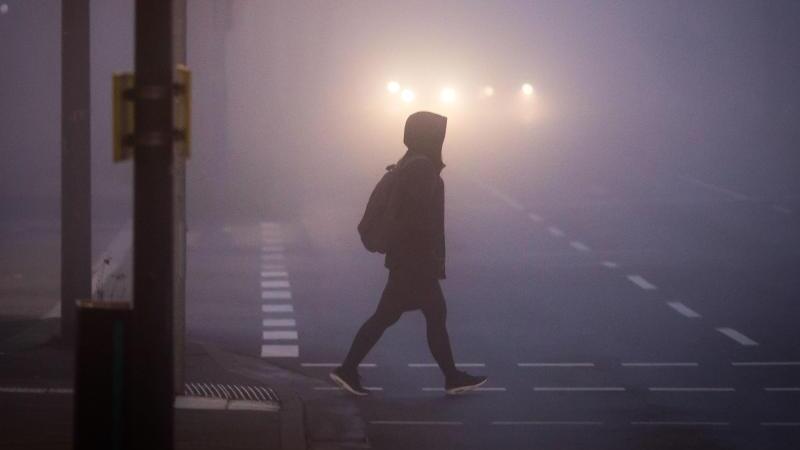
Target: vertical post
{"x":154,"y":235}
{"x":76,"y":217}
{"x":179,"y":210}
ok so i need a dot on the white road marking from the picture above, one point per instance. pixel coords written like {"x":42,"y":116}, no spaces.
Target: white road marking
{"x":780,"y":424}
{"x":276,"y":295}
{"x":564,"y":364}
{"x":680,"y":423}
{"x":640,"y":281}
{"x":555,"y":231}
{"x":535,"y":217}
{"x":252,"y":405}
{"x":282,"y":335}
{"x":765,"y":363}
{"x":684,"y":310}
{"x":280,"y":351}
{"x":691,"y":389}
{"x":738,"y":337}
{"x":337,"y":388}
{"x":545,"y":422}
{"x":272,"y":256}
{"x":417,"y":422}
{"x":190,"y":402}
{"x":271,"y":267}
{"x":419,"y":365}
{"x":502,"y":196}
{"x":781,"y":209}
{"x":277,"y":308}
{"x":610,"y":264}
{"x":274,"y":274}
{"x":272,"y":284}
{"x":660,"y":364}
{"x":366,"y":365}
{"x":278,"y":323}
{"x":479,"y":389}
{"x":32,"y":390}
{"x":719,"y":189}
{"x":579,"y":246}
{"x":782,"y":389}
{"x":273,"y":248}
{"x":577,"y":389}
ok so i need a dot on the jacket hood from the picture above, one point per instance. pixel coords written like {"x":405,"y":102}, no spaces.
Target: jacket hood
{"x":424,"y":134}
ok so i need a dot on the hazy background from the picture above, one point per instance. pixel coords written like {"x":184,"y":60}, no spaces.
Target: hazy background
{"x":291,"y":110}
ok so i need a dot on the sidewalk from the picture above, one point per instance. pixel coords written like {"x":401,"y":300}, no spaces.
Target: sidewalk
{"x":231,"y":402}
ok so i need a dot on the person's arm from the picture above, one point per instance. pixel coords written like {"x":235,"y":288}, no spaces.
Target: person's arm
{"x":419,"y":181}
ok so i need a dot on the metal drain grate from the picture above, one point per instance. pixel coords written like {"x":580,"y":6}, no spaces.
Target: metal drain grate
{"x":232,"y":392}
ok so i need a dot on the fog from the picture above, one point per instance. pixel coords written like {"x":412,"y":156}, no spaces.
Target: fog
{"x":290,"y":99}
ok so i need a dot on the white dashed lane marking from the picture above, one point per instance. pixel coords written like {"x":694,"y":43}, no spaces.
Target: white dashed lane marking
{"x":480,"y":389}
{"x":578,"y":389}
{"x":316,"y":364}
{"x":659,"y":364}
{"x":691,"y":389}
{"x":642,"y":283}
{"x":276,"y":295}
{"x":277,"y":308}
{"x":278,"y":323}
{"x":781,"y":209}
{"x":279,"y":351}
{"x":681,"y":423}
{"x":421,"y":365}
{"x":274,"y":274}
{"x":535,"y":217}
{"x":765,"y":363}
{"x":273,"y":284}
{"x":562,"y":364}
{"x":555,"y":232}
{"x":782,"y":389}
{"x":337,"y":388}
{"x":272,"y":256}
{"x":684,"y":310}
{"x":546,"y":423}
{"x":579,"y":246}
{"x":610,"y":264}
{"x":738,"y":337}
{"x":282,"y":335}
{"x":417,"y":422}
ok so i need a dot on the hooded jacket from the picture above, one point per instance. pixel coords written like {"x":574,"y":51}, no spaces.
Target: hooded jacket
{"x":419,"y":245}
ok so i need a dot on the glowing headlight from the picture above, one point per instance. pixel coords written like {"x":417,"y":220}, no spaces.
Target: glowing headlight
{"x":448,"y":95}
{"x":393,"y":87}
{"x":407,"y":95}
{"x":527,"y":89}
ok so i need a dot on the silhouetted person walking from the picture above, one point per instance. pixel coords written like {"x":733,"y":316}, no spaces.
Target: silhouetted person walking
{"x":415,"y":254}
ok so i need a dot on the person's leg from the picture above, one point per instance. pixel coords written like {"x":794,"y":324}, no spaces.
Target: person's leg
{"x":372,"y":330}
{"x":435,"y":311}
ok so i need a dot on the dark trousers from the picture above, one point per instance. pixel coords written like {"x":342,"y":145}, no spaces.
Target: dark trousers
{"x":406,"y":292}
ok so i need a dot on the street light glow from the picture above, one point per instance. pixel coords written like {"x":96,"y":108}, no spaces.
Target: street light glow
{"x":407,"y":95}
{"x":3,"y":8}
{"x":448,"y":95}
{"x":527,"y":89}
{"x":393,"y":87}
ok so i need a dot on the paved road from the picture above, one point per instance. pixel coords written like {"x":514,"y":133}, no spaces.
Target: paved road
{"x":624,"y":310}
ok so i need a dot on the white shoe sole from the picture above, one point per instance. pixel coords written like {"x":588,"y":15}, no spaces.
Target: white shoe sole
{"x":462,"y":389}
{"x":343,"y":384}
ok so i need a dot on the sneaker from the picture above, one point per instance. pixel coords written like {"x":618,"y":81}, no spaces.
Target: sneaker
{"x":349,"y":381}
{"x":461,"y":382}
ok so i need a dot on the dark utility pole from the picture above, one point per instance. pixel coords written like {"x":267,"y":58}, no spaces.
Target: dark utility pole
{"x":154,"y":231}
{"x":76,"y":217}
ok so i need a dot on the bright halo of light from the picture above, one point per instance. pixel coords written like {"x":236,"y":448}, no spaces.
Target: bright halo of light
{"x":407,"y":95}
{"x":448,"y":95}
{"x":488,"y":91}
{"x":393,"y":87}
{"x":527,"y":89}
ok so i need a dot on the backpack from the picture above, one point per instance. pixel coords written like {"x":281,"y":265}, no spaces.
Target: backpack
{"x":379,"y":223}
